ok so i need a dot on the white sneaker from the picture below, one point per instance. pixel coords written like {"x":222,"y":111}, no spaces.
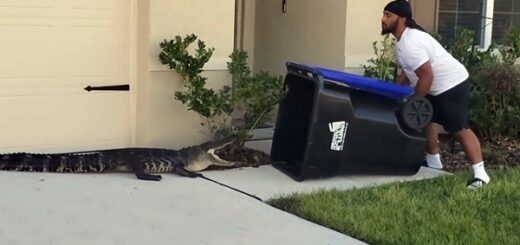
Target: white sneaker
{"x":476,"y":183}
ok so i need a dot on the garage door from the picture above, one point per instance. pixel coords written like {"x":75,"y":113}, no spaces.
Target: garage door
{"x":50,"y":50}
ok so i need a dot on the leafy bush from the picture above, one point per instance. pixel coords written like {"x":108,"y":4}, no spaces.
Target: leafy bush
{"x":495,"y":101}
{"x":254,"y":94}
{"x":384,"y":66}
{"x":464,"y":50}
{"x":214,"y":107}
{"x":510,"y":50}
{"x":511,"y":43}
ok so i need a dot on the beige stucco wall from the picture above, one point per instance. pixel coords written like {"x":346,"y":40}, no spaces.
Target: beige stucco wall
{"x":162,"y":121}
{"x":311,"y":32}
{"x":333,"y":33}
{"x":245,"y":33}
{"x":425,"y":13}
{"x":362,"y":29}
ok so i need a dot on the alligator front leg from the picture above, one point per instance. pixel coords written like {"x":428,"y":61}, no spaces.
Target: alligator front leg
{"x":138,"y":168}
{"x":185,"y":173}
{"x":145,"y":176}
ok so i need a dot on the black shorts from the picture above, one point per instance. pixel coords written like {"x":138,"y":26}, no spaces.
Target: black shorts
{"x":450,"y":109}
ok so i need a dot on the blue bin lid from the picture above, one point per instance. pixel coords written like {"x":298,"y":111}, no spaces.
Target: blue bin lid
{"x":367,"y":84}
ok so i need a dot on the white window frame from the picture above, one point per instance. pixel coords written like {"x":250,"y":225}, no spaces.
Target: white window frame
{"x":486,"y":34}
{"x":487,"y":23}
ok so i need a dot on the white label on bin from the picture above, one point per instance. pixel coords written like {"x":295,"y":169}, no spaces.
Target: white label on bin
{"x":338,"y":130}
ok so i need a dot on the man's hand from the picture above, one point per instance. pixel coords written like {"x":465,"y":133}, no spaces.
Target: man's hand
{"x":402,"y":79}
{"x":425,"y":74}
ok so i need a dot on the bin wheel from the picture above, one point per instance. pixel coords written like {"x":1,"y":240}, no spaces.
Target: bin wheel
{"x":417,"y":112}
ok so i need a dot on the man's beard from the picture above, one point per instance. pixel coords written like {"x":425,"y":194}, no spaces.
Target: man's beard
{"x":389,"y":29}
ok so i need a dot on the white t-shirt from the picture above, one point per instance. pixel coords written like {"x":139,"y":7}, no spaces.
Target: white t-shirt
{"x":416,"y":48}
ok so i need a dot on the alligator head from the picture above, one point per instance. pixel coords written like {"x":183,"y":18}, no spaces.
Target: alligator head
{"x":199,"y":158}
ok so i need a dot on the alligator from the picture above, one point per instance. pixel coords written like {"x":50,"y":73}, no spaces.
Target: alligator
{"x":145,"y":163}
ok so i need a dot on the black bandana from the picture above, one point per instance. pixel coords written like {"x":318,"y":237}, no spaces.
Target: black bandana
{"x":402,"y":8}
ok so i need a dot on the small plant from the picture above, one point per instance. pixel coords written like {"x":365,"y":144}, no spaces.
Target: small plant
{"x":256,"y":95}
{"x":214,"y":107}
{"x":510,"y":50}
{"x":464,"y":49}
{"x":384,"y":66}
{"x":495,"y":101}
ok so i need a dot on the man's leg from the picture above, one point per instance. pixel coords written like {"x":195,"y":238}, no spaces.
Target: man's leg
{"x":471,"y":146}
{"x":433,"y":158}
{"x":432,"y":139}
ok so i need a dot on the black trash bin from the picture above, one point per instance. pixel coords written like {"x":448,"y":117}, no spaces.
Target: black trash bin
{"x":333,"y":123}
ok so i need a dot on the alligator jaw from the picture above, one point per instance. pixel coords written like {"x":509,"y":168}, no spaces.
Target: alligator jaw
{"x":212,"y":150}
{"x":214,"y":155}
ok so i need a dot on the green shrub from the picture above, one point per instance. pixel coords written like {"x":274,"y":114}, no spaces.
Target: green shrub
{"x":214,"y":107}
{"x":495,"y":101}
{"x":384,"y":66}
{"x":257,"y":94}
{"x":464,"y":50}
{"x":254,"y":94}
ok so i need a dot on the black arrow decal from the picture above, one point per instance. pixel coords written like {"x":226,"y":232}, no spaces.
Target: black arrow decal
{"x":124,"y":87}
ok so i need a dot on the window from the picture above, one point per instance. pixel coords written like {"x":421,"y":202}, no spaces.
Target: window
{"x":506,"y":12}
{"x":488,"y":18}
{"x":460,"y":13}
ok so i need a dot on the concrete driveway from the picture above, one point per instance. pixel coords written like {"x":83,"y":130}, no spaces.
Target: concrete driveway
{"x":47,"y":208}
{"x":117,"y":208}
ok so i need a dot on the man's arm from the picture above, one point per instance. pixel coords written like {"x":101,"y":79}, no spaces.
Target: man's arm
{"x":425,"y":74}
{"x":402,"y":79}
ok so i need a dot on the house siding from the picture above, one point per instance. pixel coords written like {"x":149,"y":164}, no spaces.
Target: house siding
{"x":311,"y":32}
{"x":163,"y":121}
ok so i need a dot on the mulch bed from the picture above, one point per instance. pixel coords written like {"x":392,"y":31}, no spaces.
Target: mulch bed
{"x":501,"y":154}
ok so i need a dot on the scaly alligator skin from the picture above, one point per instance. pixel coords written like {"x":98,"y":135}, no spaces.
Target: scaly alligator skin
{"x":140,"y":161}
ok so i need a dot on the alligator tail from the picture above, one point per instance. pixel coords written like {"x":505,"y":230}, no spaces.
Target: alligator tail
{"x":62,"y":163}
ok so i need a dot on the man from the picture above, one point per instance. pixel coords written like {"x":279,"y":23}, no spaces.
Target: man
{"x":439,"y":77}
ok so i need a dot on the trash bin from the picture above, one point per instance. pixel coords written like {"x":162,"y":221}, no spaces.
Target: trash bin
{"x":333,"y":123}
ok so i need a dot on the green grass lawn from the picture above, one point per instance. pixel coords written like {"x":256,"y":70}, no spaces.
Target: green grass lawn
{"x":436,"y":211}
